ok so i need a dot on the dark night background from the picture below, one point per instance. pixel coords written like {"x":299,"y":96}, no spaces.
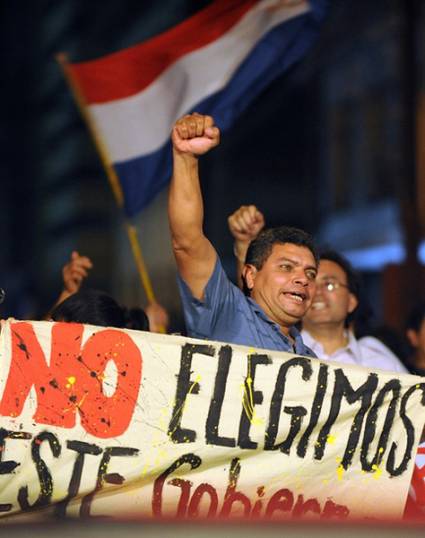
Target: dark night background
{"x":334,"y":146}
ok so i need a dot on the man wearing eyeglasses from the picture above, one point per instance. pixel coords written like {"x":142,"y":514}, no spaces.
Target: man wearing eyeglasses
{"x":326,"y":324}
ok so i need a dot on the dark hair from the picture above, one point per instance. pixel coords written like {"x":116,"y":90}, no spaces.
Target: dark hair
{"x":137,"y":319}
{"x":261,"y":247}
{"x":90,"y":306}
{"x":416,"y":317}
{"x":354,"y":283}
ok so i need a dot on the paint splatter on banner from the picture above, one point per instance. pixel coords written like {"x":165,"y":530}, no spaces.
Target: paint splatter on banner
{"x":100,"y":421}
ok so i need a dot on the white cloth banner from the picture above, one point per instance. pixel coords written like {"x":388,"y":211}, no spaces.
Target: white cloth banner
{"x":98,"y":421}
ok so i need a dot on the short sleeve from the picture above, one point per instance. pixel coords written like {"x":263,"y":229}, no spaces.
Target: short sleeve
{"x":218,"y":306}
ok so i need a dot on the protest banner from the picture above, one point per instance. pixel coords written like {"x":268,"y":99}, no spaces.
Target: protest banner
{"x":107,"y":422}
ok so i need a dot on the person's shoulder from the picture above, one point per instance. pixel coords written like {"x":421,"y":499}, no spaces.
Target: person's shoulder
{"x":308,"y":352}
{"x":372,"y":347}
{"x":313,"y":345}
{"x":374,"y":344}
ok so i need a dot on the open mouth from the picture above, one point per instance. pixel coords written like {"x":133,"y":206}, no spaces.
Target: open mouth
{"x":318,"y":305}
{"x":297,"y":297}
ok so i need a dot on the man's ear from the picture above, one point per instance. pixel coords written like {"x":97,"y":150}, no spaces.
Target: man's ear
{"x":412,"y":336}
{"x":249,"y":272}
{"x":352,"y":303}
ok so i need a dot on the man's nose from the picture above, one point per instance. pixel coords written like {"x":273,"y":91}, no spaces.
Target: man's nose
{"x":301,"y":278}
{"x":318,"y":289}
{"x":321,"y":286}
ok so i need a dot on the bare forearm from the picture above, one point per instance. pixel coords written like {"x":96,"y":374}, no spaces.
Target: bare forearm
{"x":244,"y":224}
{"x":240,"y":249}
{"x":192,"y":136}
{"x":185,"y":204}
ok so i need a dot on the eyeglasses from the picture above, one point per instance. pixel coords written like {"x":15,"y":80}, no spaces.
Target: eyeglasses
{"x":331,"y":285}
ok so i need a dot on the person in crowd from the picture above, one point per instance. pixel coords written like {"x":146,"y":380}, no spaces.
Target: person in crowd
{"x":76,"y":270}
{"x":415,"y":333}
{"x":136,"y":318}
{"x":159,"y":321}
{"x":96,"y":307}
{"x":326,"y":324}
{"x":380,"y":337}
{"x":279,"y":273}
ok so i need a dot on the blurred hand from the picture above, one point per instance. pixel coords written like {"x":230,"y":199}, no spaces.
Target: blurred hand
{"x":75,"y":271}
{"x":158,"y":318}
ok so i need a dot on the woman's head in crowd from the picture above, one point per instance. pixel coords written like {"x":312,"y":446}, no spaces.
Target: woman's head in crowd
{"x":96,"y":307}
{"x":137,"y":319}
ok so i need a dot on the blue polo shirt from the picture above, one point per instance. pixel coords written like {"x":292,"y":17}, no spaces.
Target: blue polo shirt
{"x":227,"y":315}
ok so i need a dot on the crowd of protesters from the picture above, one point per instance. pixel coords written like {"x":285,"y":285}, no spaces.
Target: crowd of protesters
{"x":95,"y":307}
{"x":286,"y":299}
{"x":289,"y":296}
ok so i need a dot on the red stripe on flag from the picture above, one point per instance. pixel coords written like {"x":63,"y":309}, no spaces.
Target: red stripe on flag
{"x":129,"y":71}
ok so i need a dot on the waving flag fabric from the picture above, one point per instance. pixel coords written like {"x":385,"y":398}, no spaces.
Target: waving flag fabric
{"x":215,"y":62}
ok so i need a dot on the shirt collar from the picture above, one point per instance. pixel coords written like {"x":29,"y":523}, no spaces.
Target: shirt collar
{"x":258,"y":310}
{"x":299,"y":344}
{"x":351,"y":347}
{"x":353,"y":344}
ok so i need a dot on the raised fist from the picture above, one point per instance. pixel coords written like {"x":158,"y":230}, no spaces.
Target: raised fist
{"x":75,"y":271}
{"x":195,"y":134}
{"x":246,"y":223}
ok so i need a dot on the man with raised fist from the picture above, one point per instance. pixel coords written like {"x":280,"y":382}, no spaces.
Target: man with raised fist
{"x":279,"y":273}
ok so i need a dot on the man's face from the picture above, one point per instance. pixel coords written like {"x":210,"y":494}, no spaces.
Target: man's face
{"x":330,"y":306}
{"x":285,"y":285}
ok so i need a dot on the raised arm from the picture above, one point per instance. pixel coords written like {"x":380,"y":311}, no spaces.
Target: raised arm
{"x":192,"y":136}
{"x":244,"y":225}
{"x":73,"y":274}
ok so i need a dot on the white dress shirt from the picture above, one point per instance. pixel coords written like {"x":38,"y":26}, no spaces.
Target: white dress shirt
{"x":368,"y":352}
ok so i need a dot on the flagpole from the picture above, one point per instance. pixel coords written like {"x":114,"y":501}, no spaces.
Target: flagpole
{"x":140,"y":263}
{"x":111,"y":175}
